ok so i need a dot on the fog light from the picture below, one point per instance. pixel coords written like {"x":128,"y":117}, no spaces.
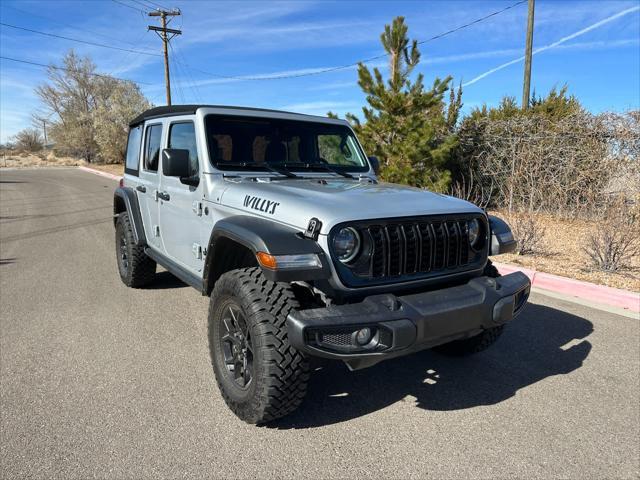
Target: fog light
{"x":363,"y":336}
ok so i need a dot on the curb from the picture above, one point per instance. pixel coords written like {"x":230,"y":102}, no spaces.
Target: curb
{"x":591,"y":292}
{"x":101,"y":173}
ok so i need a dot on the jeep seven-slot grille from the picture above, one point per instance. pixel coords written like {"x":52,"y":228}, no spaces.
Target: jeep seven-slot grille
{"x":418,"y":247}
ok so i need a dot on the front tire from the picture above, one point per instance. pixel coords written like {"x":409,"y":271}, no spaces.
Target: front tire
{"x":135,"y":267}
{"x":260,"y":375}
{"x":477,"y":343}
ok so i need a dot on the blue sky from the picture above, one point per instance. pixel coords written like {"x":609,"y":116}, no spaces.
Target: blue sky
{"x":593,"y":46}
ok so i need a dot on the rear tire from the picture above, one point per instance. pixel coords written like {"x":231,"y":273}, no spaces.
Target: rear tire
{"x":477,"y":343}
{"x":260,"y":375}
{"x":135,"y":267}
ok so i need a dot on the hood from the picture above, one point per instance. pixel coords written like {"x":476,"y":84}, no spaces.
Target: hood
{"x":295,"y":201}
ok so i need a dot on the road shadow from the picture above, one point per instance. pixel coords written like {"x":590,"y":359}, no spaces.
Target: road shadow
{"x":540,"y":343}
{"x":165,"y":280}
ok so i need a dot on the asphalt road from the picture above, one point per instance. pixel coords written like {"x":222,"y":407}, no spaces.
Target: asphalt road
{"x":98,"y":380}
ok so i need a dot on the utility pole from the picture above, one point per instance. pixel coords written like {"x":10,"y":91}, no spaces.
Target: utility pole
{"x":527,"y":57}
{"x":162,"y":33}
{"x":44,"y":129}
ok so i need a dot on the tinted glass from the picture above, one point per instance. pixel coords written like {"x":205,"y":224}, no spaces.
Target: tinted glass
{"x":133,"y":148}
{"x":251,"y":140}
{"x":183,"y":136}
{"x":152,"y":147}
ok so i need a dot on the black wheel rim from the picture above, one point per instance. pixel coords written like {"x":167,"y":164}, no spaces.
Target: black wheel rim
{"x":237,"y":348}
{"x":123,"y":253}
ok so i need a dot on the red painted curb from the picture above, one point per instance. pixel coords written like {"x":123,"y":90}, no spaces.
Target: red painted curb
{"x":101,"y":173}
{"x":587,"y":291}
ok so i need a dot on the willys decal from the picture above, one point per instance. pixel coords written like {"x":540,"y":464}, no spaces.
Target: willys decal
{"x":260,"y":204}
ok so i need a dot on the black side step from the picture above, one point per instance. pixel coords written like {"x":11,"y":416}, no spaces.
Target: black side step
{"x":175,"y":269}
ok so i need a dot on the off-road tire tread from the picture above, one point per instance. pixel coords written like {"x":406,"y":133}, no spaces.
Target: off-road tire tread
{"x":284,"y":371}
{"x":480,"y":342}
{"x":142,"y":269}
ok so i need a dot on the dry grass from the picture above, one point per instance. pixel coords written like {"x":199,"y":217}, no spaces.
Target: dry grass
{"x":561,"y":252}
{"x":16,"y":159}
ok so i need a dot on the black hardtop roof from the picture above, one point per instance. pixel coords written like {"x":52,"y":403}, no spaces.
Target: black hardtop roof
{"x":169,"y":111}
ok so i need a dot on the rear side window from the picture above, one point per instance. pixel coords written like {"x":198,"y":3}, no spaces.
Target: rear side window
{"x":183,"y":136}
{"x":152,"y":147}
{"x":133,"y":150}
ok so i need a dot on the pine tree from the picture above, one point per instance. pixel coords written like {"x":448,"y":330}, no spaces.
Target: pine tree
{"x":405,"y":124}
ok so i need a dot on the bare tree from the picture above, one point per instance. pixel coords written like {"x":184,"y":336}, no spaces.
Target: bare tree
{"x":89,"y":112}
{"x":559,"y":166}
{"x":29,"y":140}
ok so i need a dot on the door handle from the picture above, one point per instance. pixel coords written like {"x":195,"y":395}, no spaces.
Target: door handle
{"x":141,"y":188}
{"x":164,"y":196}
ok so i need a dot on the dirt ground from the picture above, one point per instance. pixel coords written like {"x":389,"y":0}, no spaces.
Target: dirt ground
{"x":561,"y":253}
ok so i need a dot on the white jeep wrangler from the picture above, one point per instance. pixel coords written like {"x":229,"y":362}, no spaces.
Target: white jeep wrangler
{"x":280,"y":219}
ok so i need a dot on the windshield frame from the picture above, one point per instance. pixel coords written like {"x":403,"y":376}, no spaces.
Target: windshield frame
{"x":295,"y":166}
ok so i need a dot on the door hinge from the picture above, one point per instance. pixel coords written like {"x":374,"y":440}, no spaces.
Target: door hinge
{"x":197,"y":251}
{"x":196,"y":206}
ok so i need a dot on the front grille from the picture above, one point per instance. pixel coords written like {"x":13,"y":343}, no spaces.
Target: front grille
{"x":408,"y":248}
{"x":415,"y":248}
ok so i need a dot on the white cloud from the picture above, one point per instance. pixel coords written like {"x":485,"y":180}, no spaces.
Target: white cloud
{"x":554,"y":44}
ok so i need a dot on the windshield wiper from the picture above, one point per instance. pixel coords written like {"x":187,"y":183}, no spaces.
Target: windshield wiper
{"x":321,"y":166}
{"x":266,"y":166}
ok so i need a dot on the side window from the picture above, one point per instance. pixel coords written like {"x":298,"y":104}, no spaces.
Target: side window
{"x":152,"y":147}
{"x":133,"y":149}
{"x":183,"y":136}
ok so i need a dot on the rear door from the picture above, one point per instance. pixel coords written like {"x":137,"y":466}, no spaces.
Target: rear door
{"x":148,"y":184}
{"x":181,"y":215}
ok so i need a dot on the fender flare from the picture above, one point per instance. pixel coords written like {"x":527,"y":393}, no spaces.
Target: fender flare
{"x":125,"y":200}
{"x":502,"y":240}
{"x":261,"y":235}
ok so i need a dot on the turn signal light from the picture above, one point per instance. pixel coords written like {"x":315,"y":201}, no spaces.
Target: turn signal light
{"x":267,"y":261}
{"x":286,"y":262}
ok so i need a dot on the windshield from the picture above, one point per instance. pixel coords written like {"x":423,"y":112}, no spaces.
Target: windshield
{"x":248,"y":143}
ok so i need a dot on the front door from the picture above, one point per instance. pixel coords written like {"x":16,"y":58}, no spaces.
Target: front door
{"x":181,"y":208}
{"x":148,"y":185}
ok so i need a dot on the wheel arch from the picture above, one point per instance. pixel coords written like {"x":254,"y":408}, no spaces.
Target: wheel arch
{"x":126,"y":201}
{"x":235,"y":240}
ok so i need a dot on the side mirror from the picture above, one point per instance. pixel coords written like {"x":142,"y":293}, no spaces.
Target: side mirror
{"x":375,"y":164}
{"x":175,"y":163}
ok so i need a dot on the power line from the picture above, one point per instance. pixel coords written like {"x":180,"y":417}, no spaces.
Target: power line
{"x":155,"y":4}
{"x":354,"y":64}
{"x":184,"y":72}
{"x":478,"y":20}
{"x":79,"y":41}
{"x":129,"y":6}
{"x":70,"y":70}
{"x":50,"y":19}
{"x":146,"y":7}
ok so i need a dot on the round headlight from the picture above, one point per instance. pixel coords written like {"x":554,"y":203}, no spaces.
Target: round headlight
{"x":346,"y":244}
{"x":473,"y":231}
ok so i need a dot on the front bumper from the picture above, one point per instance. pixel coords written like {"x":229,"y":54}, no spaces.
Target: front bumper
{"x":402,"y":325}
